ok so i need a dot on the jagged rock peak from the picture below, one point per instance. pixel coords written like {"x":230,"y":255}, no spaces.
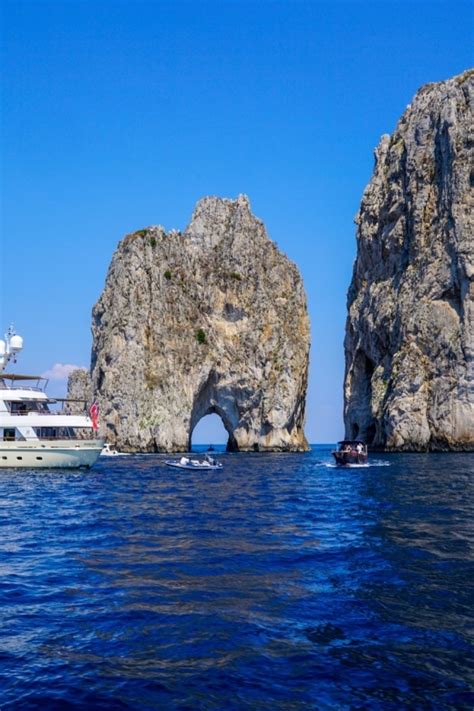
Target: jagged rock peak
{"x":215,"y":219}
{"x":409,"y":342}
{"x":212,"y":319}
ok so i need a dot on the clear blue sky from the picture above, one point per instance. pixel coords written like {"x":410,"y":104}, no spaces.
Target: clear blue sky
{"x":118,"y":115}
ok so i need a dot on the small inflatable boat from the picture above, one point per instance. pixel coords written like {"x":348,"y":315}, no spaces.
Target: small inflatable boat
{"x":195,"y":464}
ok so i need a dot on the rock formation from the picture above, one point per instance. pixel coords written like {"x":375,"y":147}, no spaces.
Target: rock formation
{"x":213,"y":319}
{"x":79,"y":392}
{"x":409,"y":342}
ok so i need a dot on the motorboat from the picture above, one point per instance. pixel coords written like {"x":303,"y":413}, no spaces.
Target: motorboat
{"x":109,"y":451}
{"x":351,"y":453}
{"x":37,"y":431}
{"x":207,"y":463}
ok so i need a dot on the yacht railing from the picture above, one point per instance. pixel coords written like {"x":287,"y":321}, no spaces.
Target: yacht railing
{"x":13,"y":381}
{"x":33,"y":388}
{"x":52,"y":439}
{"x":49,"y":439}
{"x":14,"y":413}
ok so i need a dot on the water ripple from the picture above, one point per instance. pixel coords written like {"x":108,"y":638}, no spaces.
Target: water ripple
{"x":277,"y":583}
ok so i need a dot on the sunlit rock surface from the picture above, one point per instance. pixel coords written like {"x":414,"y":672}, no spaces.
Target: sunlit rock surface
{"x":213,"y":319}
{"x":410,"y":330}
{"x":79,"y":392}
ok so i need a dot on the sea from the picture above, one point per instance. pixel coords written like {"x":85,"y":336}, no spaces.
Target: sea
{"x":279,"y":582}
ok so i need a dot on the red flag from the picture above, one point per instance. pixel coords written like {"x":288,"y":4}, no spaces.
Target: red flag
{"x":94,"y":413}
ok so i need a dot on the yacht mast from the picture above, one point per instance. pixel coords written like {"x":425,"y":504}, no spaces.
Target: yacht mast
{"x":9,"y":348}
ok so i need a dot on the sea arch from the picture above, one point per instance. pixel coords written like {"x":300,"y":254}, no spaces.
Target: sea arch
{"x":211,"y":399}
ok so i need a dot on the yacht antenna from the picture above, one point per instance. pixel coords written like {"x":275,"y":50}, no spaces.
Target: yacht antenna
{"x":10,"y":347}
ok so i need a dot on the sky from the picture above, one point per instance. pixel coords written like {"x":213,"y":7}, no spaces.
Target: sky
{"x":119,"y":115}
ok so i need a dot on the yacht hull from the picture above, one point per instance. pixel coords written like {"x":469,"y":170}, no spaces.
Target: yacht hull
{"x":48,"y":455}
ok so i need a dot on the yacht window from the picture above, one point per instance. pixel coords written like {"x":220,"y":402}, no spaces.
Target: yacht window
{"x":22,"y":407}
{"x":9,"y":434}
{"x":54,"y":432}
{"x":46,"y":432}
{"x":19,"y":408}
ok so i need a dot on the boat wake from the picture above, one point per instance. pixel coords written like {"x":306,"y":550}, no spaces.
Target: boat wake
{"x":368,"y":465}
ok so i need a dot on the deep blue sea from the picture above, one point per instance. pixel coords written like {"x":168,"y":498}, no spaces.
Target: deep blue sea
{"x":280,"y":582}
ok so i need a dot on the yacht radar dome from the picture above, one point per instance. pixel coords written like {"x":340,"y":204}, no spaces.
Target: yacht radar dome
{"x":16,"y":344}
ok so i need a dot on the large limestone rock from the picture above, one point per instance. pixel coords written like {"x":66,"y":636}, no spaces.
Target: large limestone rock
{"x":79,"y":392}
{"x":210,"y":320}
{"x":410,"y":330}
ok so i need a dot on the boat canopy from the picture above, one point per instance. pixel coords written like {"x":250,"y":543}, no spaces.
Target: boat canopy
{"x":351,"y":441}
{"x":14,"y":376}
{"x":9,"y":381}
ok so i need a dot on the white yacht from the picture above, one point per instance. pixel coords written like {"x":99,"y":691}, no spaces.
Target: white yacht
{"x":32,"y":432}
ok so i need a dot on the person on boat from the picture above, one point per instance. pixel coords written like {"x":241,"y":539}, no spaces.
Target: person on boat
{"x":360,"y":448}
{"x":184,"y":460}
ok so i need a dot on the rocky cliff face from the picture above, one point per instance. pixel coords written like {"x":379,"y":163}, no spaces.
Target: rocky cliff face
{"x":410,"y":330}
{"x":213,"y":319}
{"x":79,"y":392}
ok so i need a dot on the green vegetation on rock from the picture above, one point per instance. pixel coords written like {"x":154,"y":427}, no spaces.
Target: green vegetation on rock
{"x":200,"y":336}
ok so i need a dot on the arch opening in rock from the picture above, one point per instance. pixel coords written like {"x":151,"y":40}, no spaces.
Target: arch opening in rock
{"x":359,"y":418}
{"x":214,"y":400}
{"x":370,"y":433}
{"x":230,"y":442}
{"x":209,"y":431}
